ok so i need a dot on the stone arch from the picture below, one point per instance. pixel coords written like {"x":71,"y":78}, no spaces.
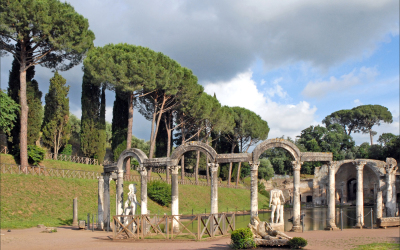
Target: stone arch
{"x":276,"y":143}
{"x":193,"y":146}
{"x":132,"y":152}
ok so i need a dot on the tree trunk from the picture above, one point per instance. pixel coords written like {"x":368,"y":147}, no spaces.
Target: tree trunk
{"x":24,"y":112}
{"x":371,"y":136}
{"x":168,"y":126}
{"x":183,"y":156}
{"x":129,"y":133}
{"x":238,"y":174}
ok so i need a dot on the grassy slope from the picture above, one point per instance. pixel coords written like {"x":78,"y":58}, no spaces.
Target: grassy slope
{"x":30,"y":200}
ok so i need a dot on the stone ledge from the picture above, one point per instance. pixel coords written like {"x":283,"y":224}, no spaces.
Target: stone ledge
{"x":388,"y":222}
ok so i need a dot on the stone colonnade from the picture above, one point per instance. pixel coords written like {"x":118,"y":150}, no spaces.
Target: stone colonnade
{"x":171,"y":163}
{"x":390,"y":203}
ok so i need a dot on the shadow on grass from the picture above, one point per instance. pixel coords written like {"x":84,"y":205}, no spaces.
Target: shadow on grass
{"x":65,"y":222}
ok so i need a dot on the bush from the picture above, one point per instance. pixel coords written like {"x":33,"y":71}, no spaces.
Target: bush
{"x":159,"y":192}
{"x":242,"y":238}
{"x":67,"y":150}
{"x":35,"y":154}
{"x":297,"y":242}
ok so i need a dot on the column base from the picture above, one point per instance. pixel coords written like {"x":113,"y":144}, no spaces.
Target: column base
{"x":331,"y":228}
{"x":75,"y":224}
{"x":296,"y":229}
{"x":358,"y":225}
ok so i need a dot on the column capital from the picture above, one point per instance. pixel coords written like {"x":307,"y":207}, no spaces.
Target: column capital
{"x":390,"y":168}
{"x":174,"y":169}
{"x":297,"y":165}
{"x":254,"y":165}
{"x":359,"y":165}
{"x":331,"y":165}
{"x":213,"y":166}
{"x":142,"y":170}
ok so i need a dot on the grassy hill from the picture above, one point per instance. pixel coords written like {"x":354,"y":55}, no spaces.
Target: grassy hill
{"x":30,"y":200}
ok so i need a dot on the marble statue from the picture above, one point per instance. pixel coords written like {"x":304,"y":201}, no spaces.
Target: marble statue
{"x":276,"y":204}
{"x":131,"y":203}
{"x":265,"y":235}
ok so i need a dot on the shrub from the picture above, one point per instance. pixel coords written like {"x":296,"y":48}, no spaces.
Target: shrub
{"x":159,"y":192}
{"x":242,"y":238}
{"x":297,"y":242}
{"x":35,"y":154}
{"x":67,"y":150}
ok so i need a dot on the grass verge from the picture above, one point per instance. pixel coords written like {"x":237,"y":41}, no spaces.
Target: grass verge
{"x":378,"y":246}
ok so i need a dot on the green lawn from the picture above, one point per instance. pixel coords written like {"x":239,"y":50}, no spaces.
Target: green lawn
{"x":379,"y":246}
{"x":27,"y":201}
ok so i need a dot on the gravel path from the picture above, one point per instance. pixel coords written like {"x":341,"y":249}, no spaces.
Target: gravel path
{"x":69,"y":238}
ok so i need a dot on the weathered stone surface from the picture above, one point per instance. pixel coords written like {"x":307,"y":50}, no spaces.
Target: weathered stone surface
{"x":276,"y":143}
{"x":158,"y":162}
{"x":388,"y":222}
{"x":316,"y":156}
{"x":265,"y":235}
{"x":194,"y":146}
{"x":271,"y":242}
{"x":82,"y":224}
{"x":238,"y":157}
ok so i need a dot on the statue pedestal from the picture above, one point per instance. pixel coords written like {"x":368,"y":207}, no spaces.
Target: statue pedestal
{"x":278,"y":226}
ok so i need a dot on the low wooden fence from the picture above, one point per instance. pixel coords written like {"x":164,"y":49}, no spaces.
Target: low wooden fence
{"x":72,"y":158}
{"x":42,"y":171}
{"x":170,"y":227}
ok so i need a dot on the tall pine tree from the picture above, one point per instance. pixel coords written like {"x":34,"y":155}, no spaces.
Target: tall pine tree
{"x":35,"y":111}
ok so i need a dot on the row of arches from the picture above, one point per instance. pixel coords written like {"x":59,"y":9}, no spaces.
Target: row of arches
{"x":171,"y":163}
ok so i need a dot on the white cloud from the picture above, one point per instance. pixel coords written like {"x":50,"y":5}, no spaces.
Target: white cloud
{"x":282,"y":119}
{"x":320,"y":88}
{"x":277,"y":89}
{"x":357,"y":102}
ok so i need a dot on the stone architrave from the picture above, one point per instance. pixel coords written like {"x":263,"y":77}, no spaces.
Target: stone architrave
{"x":390,"y":203}
{"x":360,"y":194}
{"x":175,"y":197}
{"x":253,"y":192}
{"x":296,"y":196}
{"x":214,"y":187}
{"x":143,"y":189}
{"x":331,"y":197}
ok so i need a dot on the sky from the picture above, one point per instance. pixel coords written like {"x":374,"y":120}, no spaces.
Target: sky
{"x":292,"y":62}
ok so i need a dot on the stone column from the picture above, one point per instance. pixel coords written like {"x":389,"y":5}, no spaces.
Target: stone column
{"x":254,"y":191}
{"x":360,"y":194}
{"x":175,"y":196}
{"x":296,"y":196}
{"x":100,"y":205}
{"x":143,"y":189}
{"x":390,"y":203}
{"x":214,"y":187}
{"x":75,"y":212}
{"x":331,"y":198}
{"x":106,"y":215}
{"x":120,"y":192}
{"x":379,"y":202}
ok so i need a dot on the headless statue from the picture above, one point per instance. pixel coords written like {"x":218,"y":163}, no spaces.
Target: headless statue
{"x":276,"y":204}
{"x":264,"y":230}
{"x":131,"y":203}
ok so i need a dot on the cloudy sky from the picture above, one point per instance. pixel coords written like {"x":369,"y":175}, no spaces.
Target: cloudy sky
{"x":292,"y":62}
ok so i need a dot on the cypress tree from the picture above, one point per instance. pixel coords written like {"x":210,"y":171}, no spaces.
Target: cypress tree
{"x":90,"y":102}
{"x":120,"y":119}
{"x":101,"y":148}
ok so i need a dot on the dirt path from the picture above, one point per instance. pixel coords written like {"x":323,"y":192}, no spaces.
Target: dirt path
{"x":68,"y":238}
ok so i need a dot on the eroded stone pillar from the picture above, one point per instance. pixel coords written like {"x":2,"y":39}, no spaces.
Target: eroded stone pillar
{"x":75,"y":212}
{"x":331,"y":197}
{"x":143,"y":189}
{"x":296,"y":196}
{"x":120,"y":192}
{"x":390,"y":203}
{"x":100,"y":205}
{"x":175,"y":196}
{"x":106,"y":214}
{"x":360,"y":194}
{"x":214,"y":187}
{"x":254,"y":191}
{"x":379,"y":202}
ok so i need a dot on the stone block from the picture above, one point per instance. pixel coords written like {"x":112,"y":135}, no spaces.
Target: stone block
{"x":82,"y":224}
{"x":388,"y":222}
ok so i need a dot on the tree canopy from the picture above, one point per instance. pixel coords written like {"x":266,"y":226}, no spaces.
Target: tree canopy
{"x":8,"y":113}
